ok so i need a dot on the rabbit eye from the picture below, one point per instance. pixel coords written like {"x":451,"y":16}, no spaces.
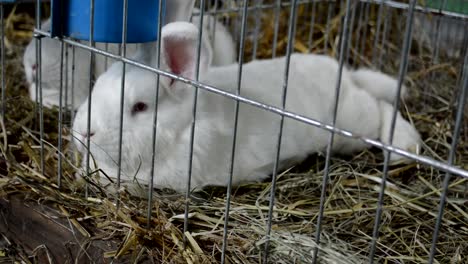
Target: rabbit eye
{"x":139,"y":107}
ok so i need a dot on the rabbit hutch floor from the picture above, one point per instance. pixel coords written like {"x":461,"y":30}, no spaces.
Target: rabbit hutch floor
{"x":42,"y":223}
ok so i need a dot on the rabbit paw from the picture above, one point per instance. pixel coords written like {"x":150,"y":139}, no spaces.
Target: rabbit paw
{"x":405,"y":136}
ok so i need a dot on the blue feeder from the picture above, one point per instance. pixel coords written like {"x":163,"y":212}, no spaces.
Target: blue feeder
{"x":72,"y":18}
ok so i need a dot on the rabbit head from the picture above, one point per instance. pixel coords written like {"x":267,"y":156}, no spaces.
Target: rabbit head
{"x":29,"y":58}
{"x":50,"y":70}
{"x":179,"y":42}
{"x":50,"y":60}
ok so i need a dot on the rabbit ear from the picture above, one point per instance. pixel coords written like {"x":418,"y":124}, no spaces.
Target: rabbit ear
{"x":179,"y":44}
{"x":178,"y":10}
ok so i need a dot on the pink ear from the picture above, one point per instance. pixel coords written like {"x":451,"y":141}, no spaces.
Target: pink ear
{"x":180,"y":56}
{"x":179,"y":43}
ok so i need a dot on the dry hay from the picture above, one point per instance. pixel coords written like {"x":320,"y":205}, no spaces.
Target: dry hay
{"x":411,"y":197}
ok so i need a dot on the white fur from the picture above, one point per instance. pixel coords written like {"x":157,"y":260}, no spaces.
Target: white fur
{"x":50,"y":69}
{"x":378,"y":84}
{"x":224,"y":53}
{"x":311,"y":85}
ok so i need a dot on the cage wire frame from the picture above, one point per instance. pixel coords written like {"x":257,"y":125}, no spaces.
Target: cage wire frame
{"x":349,"y":18}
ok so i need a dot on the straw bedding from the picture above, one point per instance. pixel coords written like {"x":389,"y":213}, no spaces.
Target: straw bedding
{"x":110,"y":231}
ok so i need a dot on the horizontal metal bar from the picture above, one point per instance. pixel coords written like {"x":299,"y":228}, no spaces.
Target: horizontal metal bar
{"x":255,"y":7}
{"x":423,"y":9}
{"x":389,"y":3}
{"x":422,"y":159}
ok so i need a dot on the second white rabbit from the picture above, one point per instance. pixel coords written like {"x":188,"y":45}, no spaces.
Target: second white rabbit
{"x":224,"y":52}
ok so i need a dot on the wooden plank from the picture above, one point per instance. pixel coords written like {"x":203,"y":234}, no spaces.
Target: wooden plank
{"x":39,"y":230}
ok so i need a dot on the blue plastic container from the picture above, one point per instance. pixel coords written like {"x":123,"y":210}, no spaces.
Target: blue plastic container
{"x":142,"y":20}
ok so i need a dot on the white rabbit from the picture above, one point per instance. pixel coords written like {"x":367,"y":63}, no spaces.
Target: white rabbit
{"x":50,"y":73}
{"x":311,"y":89}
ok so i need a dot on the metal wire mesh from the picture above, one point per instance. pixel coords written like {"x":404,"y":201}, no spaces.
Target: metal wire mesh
{"x":369,"y":33}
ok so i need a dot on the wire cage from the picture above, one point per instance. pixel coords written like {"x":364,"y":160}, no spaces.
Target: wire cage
{"x":329,"y":206}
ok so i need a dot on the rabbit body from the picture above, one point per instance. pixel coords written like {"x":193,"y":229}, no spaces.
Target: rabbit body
{"x":311,"y":92}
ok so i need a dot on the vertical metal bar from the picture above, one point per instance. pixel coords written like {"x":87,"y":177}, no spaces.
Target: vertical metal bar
{"x":91,"y":71}
{"x":436,"y":40}
{"x":331,"y":7}
{"x":296,"y":17}
{"x":451,"y":159}
{"x":377,"y":31}
{"x":106,"y":59}
{"x":66,"y":77}
{"x":60,"y":125}
{"x":123,"y":51}
{"x":351,"y":25}
{"x":194,"y":116}
{"x":456,"y":31}
{"x":3,"y":61}
{"x":344,"y":43}
{"x":463,"y":52}
{"x":155,"y":119}
{"x":402,"y":72}
{"x":387,"y":21}
{"x":36,"y":99}
{"x":439,"y":22}
{"x":39,"y":84}
{"x":257,"y":27}
{"x":215,"y":20}
{"x":280,"y":134}
{"x":227,"y":18}
{"x":276,"y":29}
{"x":72,"y":88}
{"x":234,"y":139}
{"x":340,"y":31}
{"x":361,"y":6}
{"x":364,"y":36}
{"x":310,"y":41}
{"x":236,"y":25}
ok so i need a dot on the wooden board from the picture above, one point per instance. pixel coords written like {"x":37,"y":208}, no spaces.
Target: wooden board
{"x":40,"y":231}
